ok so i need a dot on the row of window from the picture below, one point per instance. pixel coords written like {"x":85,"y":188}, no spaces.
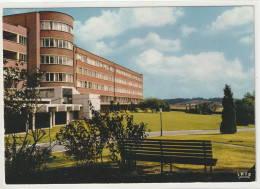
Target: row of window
{"x":53,"y":25}
{"x":91,"y":85}
{"x":94,"y":62}
{"x":97,"y":63}
{"x":130,"y":83}
{"x":22,"y":40}
{"x":95,"y":74}
{"x":119,"y":99}
{"x":59,"y":77}
{"x":121,"y":72}
{"x":46,"y":93}
{"x":55,"y":59}
{"x":127,"y":91}
{"x":96,"y":86}
{"x":60,"y":43}
{"x":99,"y":75}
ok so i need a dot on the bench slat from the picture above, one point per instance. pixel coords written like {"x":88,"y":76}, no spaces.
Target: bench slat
{"x":168,"y":154}
{"x":171,"y":147}
{"x":166,"y":144}
{"x":177,"y":160}
{"x":209,"y":151}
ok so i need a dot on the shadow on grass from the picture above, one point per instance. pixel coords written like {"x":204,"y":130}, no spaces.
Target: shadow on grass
{"x":113,"y":174}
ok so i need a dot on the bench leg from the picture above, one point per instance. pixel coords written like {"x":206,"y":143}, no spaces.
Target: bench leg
{"x":161,"y":167}
{"x":171,"y":167}
{"x":211,"y":169}
{"x":205,"y":169}
{"x":135,"y":165}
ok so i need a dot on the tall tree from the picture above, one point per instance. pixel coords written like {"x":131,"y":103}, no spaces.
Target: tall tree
{"x":228,"y":124}
{"x":245,"y":110}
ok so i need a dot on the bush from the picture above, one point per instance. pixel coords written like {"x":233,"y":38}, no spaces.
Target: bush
{"x":148,"y":110}
{"x":85,"y":144}
{"x":138,"y":110}
{"x":23,"y":159}
{"x":154,"y":103}
{"x":81,"y":144}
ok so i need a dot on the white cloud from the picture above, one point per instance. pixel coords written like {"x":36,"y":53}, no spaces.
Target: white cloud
{"x":186,"y":30}
{"x":153,"y":40}
{"x":235,"y":17}
{"x":208,"y":69}
{"x":246,"y":39}
{"x":110,"y":23}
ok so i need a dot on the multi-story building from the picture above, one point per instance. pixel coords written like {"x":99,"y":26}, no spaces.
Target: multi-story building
{"x":43,"y":41}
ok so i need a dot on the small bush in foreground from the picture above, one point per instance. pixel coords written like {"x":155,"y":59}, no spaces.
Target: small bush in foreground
{"x":85,"y":144}
{"x":22,"y":160}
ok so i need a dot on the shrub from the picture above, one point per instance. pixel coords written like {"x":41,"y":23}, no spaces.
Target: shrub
{"x":148,"y":110}
{"x":22,"y":159}
{"x":138,"y":110}
{"x":81,"y":144}
{"x":85,"y":144}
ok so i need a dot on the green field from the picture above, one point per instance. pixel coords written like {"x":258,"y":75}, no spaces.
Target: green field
{"x":172,"y":121}
{"x":175,"y":121}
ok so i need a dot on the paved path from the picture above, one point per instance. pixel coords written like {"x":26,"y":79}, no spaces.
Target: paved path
{"x":191,"y":132}
{"x":58,"y":148}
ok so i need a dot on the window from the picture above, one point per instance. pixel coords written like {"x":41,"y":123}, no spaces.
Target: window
{"x":60,"y":77}
{"x":85,"y":84}
{"x":22,"y":57}
{"x":52,"y":25}
{"x":22,"y":40}
{"x":51,"y":59}
{"x":60,"y":43}
{"x":47,"y":42}
{"x":55,"y":59}
{"x":79,"y":70}
{"x":79,"y":83}
{"x":85,"y":72}
{"x":47,"y":59}
{"x":93,"y":74}
{"x":51,"y":42}
{"x":43,"y":93}
{"x":89,"y":72}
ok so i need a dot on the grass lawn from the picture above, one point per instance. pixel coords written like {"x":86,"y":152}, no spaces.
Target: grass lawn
{"x":230,"y":158}
{"x":46,"y":138}
{"x":172,"y":121}
{"x":175,"y":121}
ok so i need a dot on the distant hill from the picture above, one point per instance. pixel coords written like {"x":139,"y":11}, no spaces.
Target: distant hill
{"x":183,"y":101}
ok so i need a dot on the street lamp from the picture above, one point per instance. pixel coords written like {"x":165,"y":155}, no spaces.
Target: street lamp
{"x":161,"y":119}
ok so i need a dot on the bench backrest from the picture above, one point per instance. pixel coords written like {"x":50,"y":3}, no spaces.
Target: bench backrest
{"x":180,"y":151}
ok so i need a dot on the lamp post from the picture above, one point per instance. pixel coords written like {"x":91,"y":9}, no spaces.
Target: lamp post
{"x":161,"y":119}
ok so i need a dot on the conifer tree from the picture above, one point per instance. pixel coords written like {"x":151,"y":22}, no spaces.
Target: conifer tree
{"x":228,"y":124}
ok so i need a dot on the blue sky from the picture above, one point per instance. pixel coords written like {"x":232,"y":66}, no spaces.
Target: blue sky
{"x":182,"y":52}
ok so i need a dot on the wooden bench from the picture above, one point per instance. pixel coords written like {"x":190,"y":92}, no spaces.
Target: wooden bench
{"x":194,"y":152}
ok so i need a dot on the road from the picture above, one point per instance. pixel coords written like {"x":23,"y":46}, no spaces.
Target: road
{"x":59,"y":148}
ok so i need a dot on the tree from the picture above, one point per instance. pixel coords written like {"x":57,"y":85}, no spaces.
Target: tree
{"x":228,"y":124}
{"x":23,"y":157}
{"x":154,"y":103}
{"x":20,"y":97}
{"x":245,"y":110}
